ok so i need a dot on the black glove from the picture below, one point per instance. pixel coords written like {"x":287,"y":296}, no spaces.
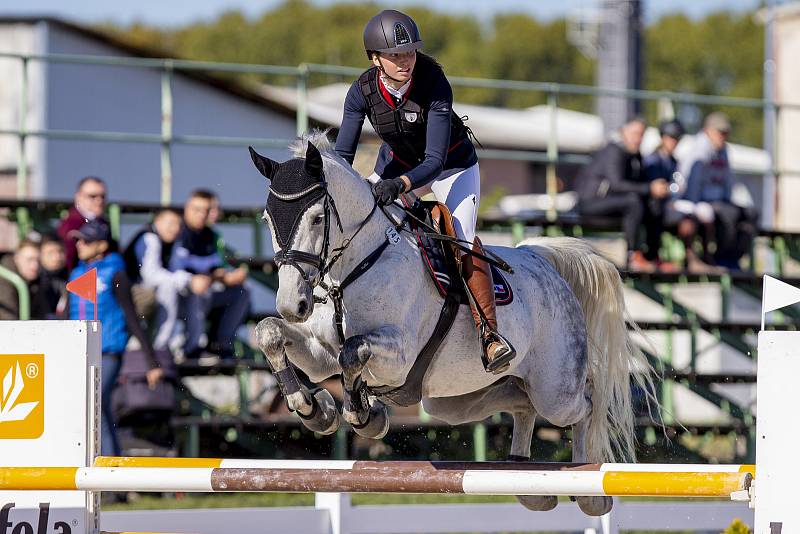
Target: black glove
{"x":387,"y":191}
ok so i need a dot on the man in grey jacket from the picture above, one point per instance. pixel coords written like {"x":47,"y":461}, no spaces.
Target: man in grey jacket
{"x":709,"y":188}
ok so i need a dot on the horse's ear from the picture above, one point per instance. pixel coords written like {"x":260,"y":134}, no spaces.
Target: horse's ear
{"x":265,"y":166}
{"x":313,"y":161}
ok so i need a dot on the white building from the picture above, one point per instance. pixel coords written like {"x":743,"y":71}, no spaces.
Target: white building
{"x":69,"y":96}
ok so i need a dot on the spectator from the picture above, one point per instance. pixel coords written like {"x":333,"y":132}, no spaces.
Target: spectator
{"x":115,"y":312}
{"x":614,"y":183}
{"x":90,"y":204}
{"x":215,"y":287}
{"x":709,"y":187}
{"x":53,"y":273}
{"x":25,"y":263}
{"x":662,"y":165}
{"x":147,"y":260}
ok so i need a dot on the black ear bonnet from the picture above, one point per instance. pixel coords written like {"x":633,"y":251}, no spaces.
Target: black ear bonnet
{"x":291,"y":192}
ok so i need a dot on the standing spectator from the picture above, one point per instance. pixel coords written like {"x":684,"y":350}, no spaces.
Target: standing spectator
{"x":90,"y":204}
{"x":709,"y":187}
{"x":614,"y":183}
{"x":115,"y":312}
{"x":53,"y":274}
{"x":25,"y":263}
{"x":196,"y":252}
{"x":147,"y":260}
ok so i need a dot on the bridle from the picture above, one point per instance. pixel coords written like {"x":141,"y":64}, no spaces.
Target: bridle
{"x":322,"y":262}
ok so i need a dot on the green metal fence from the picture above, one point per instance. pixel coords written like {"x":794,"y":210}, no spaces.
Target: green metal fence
{"x":301,"y":76}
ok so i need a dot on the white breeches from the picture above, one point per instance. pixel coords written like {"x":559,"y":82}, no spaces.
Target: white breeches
{"x":461,"y":193}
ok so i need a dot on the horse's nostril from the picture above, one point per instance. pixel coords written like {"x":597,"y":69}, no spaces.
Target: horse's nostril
{"x":302,"y":306}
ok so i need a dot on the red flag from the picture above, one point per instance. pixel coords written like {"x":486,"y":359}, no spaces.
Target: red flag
{"x":85,"y":286}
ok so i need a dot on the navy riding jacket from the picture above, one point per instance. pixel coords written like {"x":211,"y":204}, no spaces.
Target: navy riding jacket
{"x":422,"y":136}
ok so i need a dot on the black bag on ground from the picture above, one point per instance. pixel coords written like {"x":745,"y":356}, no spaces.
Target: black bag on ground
{"x":133,"y":399}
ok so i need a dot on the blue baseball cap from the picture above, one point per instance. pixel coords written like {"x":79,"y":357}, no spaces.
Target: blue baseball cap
{"x":91,"y":231}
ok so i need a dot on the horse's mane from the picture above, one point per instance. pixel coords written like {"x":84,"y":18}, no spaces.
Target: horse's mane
{"x":317,"y":137}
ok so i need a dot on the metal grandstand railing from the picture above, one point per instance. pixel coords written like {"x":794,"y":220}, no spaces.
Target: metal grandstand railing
{"x":301,"y":75}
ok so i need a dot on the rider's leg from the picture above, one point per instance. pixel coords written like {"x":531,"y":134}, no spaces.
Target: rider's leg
{"x":460,"y":192}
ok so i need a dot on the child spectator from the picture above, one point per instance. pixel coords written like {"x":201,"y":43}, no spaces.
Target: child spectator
{"x":115,"y":311}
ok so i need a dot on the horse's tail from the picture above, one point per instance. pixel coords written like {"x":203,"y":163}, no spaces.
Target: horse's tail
{"x":613,"y":357}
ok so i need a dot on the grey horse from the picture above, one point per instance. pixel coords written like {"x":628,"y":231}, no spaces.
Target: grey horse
{"x":567,"y":321}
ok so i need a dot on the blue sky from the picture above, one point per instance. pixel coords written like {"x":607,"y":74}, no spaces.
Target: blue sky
{"x":171,"y":12}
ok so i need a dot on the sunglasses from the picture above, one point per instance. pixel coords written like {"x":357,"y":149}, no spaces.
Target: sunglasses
{"x":95,"y":196}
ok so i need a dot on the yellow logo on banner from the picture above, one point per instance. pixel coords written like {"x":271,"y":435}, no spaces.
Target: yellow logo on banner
{"x":21,"y":396}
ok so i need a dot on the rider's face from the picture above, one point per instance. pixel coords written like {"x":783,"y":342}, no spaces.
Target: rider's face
{"x":397,"y":66}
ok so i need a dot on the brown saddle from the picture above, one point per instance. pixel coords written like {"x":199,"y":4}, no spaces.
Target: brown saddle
{"x":441,"y":260}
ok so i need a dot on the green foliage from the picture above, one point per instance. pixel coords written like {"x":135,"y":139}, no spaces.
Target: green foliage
{"x":737,"y":527}
{"x":719,"y":54}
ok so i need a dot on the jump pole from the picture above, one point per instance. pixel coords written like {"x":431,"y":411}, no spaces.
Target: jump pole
{"x":49,"y":446}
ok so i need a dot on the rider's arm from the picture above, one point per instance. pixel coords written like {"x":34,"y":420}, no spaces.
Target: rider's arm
{"x":355,"y":109}
{"x":437,"y":136}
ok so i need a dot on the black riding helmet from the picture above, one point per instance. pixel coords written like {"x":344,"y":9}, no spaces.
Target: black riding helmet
{"x":672,"y":128}
{"x":391,"y":32}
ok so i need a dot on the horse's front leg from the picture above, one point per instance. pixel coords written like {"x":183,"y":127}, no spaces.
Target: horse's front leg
{"x":368,"y":417}
{"x":316,"y":408}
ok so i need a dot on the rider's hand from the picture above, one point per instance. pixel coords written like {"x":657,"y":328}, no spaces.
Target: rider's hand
{"x":387,"y":191}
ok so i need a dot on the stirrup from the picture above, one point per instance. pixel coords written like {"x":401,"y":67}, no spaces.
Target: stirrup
{"x":500,"y":363}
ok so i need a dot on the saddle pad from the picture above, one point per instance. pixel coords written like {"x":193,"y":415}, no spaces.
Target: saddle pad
{"x":439,"y":269}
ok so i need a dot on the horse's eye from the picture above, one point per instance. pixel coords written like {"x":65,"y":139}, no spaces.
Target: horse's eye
{"x":318,"y":220}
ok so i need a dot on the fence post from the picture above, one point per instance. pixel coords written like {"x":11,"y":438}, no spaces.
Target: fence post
{"x":166,"y":134}
{"x":552,"y":152}
{"x":302,"y":99}
{"x":338,"y":506}
{"x":22,"y":163}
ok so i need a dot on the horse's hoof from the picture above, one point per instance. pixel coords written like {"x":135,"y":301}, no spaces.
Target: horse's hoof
{"x":324,"y":417}
{"x":595,"y":506}
{"x":377,"y":424}
{"x":538,"y":503}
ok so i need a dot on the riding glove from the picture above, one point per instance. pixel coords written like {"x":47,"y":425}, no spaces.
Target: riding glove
{"x":387,"y":191}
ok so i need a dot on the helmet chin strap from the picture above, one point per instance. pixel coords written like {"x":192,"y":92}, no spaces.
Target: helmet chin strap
{"x":383,"y":71}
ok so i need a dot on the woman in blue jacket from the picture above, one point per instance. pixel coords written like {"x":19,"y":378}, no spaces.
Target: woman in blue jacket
{"x":426,"y":147}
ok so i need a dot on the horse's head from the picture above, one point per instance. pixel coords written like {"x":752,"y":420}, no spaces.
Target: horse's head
{"x":300,"y":213}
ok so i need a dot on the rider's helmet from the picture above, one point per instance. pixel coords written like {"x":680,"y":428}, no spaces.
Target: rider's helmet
{"x":391,"y":32}
{"x":672,"y":128}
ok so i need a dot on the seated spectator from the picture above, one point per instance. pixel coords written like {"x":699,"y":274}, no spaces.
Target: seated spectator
{"x":614,"y":183}
{"x":90,"y":204}
{"x":662,"y":165}
{"x":215,"y":287}
{"x":24,"y":262}
{"x":707,"y":198}
{"x":116,"y":313}
{"x":53,"y":273}
{"x":156,"y":287}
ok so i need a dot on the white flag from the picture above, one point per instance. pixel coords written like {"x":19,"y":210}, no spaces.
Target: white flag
{"x":778,"y":294}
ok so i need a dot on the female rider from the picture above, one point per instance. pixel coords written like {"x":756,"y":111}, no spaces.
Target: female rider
{"x":426,"y":147}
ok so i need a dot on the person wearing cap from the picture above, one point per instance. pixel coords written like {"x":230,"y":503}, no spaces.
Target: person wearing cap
{"x":426,"y":149}
{"x":614,"y":184}
{"x":662,"y":165}
{"x":708,"y":194}
{"x":115,"y":311}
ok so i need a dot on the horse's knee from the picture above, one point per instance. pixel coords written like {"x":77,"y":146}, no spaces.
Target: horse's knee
{"x":355,"y":353}
{"x":269,"y":335}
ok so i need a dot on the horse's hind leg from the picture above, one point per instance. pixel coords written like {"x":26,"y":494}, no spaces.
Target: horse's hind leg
{"x":524,"y":422}
{"x":594,"y":506}
{"x":505,"y":395}
{"x":316,"y":409}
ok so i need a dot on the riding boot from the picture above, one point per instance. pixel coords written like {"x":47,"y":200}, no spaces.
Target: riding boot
{"x":497,"y":351}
